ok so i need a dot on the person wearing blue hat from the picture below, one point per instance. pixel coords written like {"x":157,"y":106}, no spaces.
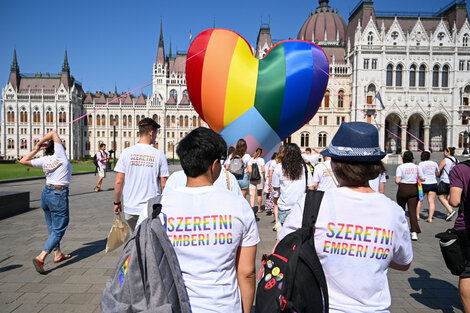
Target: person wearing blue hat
{"x":359,"y":233}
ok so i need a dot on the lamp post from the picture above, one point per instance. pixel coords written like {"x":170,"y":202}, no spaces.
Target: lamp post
{"x":465,"y":138}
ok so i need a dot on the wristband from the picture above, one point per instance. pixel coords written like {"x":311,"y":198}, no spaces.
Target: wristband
{"x":117,"y":203}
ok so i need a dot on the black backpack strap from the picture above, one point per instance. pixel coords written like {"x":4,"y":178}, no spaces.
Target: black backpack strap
{"x":139,"y":259}
{"x":312,"y":207}
{"x":306,"y":178}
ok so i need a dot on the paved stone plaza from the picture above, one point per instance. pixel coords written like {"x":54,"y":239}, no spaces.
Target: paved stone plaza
{"x":76,"y":285}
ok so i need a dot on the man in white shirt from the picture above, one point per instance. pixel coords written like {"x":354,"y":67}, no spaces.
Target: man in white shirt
{"x":102,"y":157}
{"x":142,"y":172}
{"x":323,"y":176}
{"x":311,"y":158}
{"x":212,"y":230}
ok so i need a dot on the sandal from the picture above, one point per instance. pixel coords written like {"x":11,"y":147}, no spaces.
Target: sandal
{"x":429,"y":220}
{"x":63,"y":257}
{"x":39,"y":266}
{"x":97,"y":188}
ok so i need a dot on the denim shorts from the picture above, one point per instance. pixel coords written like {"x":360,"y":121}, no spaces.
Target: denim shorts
{"x":243,"y":182}
{"x":282,"y":215}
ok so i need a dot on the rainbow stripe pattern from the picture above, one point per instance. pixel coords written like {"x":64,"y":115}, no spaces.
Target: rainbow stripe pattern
{"x":123,"y":274}
{"x":420,"y":190}
{"x":263,"y":101}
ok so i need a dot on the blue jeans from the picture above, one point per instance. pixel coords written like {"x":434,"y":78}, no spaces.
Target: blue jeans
{"x":55,"y":204}
{"x":243,"y":181}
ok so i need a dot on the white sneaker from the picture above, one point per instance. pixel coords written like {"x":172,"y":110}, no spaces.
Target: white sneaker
{"x":414,"y":236}
{"x":277,"y":227}
{"x":450,"y":215}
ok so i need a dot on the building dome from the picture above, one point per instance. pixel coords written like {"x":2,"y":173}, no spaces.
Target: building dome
{"x":324,"y":26}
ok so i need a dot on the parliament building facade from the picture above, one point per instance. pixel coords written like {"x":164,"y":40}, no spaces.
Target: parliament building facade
{"x":406,"y":73}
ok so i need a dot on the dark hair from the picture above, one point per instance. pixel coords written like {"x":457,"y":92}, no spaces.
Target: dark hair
{"x":308,"y":150}
{"x":273,"y":157}
{"x":199,"y":149}
{"x":356,"y":174}
{"x":102,"y":145}
{"x":146,"y":125}
{"x":425,"y":155}
{"x":408,"y":157}
{"x":292,"y":162}
{"x":50,"y":148}
{"x":230,"y":150}
{"x":257,"y":153}
{"x":240,"y":148}
{"x":451,"y":150}
{"x":280,"y":153}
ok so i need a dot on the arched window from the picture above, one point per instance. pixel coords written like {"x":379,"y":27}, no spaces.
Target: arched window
{"x":124,"y":120}
{"x":186,"y":121}
{"x":304,"y":139}
{"x":445,"y":76}
{"x":24,"y":144}
{"x":326,"y":99}
{"x":422,"y":76}
{"x":36,"y":116}
{"x":129,"y":120}
{"x":49,"y":116}
{"x":127,"y":144}
{"x":137,"y":120}
{"x":399,"y":75}
{"x":23,"y":115}
{"x":174,"y":94}
{"x":103,"y":120}
{"x":168,"y":121}
{"x":199,"y":121}
{"x":185,"y":94}
{"x":98,"y":120}
{"x":389,"y":75}
{"x":413,"y":76}
{"x":111,"y":120}
{"x":370,"y":38}
{"x":11,"y":144}
{"x":173,"y":120}
{"x":181,"y":121}
{"x":116,"y":120}
{"x":465,"y":40}
{"x":322,"y":137}
{"x":10,"y":115}
{"x":435,"y":76}
{"x":155,"y":118}
{"x":62,"y":116}
{"x":194,"y":121}
{"x":340,"y":99}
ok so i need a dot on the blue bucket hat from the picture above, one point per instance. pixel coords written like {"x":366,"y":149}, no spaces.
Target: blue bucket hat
{"x":356,"y":142}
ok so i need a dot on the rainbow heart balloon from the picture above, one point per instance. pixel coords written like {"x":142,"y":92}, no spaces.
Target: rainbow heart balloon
{"x":263,"y":101}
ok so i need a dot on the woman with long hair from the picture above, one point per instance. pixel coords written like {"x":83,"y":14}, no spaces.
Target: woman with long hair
{"x":354,"y":223}
{"x":290,"y":180}
{"x":407,"y":176}
{"x":55,"y":196}
{"x":256,"y":185}
{"x":430,"y":170}
{"x":238,"y":165}
{"x":443,"y":188}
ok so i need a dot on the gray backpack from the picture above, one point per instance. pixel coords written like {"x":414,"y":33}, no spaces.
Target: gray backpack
{"x":148,"y":277}
{"x":236,"y":167}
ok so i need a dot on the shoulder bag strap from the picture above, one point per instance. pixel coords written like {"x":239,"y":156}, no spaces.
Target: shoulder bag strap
{"x":228,"y":180}
{"x":312,"y":207}
{"x":139,"y":259}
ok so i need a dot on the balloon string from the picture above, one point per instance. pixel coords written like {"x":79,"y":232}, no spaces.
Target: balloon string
{"x":365,"y":114}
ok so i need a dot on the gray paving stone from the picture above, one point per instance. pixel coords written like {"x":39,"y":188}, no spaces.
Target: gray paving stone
{"x":29,"y":308}
{"x":56,"y":298}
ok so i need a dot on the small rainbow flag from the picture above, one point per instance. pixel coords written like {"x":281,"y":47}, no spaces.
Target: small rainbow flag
{"x":420,"y":190}
{"x":124,"y":268}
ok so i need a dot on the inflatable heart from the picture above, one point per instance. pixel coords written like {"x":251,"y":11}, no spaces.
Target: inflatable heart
{"x":263,"y":101}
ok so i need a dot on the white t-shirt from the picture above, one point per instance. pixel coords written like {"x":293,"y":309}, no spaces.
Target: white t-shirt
{"x":312,"y":158}
{"x":323,"y":174}
{"x":447,"y":168}
{"x":260,"y":162}
{"x":375,"y":183}
{"x":429,"y":169}
{"x":246,"y":159}
{"x":143,"y":165}
{"x":57,"y":167}
{"x":206,"y":226}
{"x":269,"y":166}
{"x":357,"y":235}
{"x":179,"y":179}
{"x":290,"y":190}
{"x":409,"y":173}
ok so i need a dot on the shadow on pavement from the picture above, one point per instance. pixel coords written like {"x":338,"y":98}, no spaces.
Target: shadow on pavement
{"x":9,"y":267}
{"x":89,"y":249}
{"x":435,"y":293}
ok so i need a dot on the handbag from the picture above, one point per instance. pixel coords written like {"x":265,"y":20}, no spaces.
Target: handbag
{"x":118,"y":234}
{"x":443,"y":188}
{"x":452,"y":251}
{"x":255,"y":174}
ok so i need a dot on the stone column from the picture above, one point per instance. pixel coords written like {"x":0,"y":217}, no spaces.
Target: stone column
{"x":426,"y":137}
{"x":403,"y":139}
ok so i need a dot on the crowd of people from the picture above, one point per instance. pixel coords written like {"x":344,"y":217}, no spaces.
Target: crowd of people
{"x":215,"y":182}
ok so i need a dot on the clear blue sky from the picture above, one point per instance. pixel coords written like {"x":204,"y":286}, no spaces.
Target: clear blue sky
{"x":115,"y":42}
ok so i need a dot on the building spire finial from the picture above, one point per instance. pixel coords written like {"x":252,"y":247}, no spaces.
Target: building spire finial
{"x":65,"y":66}
{"x":170,"y":54}
{"x":323,"y":3}
{"x":14,"y":64}
{"x":160,"y":41}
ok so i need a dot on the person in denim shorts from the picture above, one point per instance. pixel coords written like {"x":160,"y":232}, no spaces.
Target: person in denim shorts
{"x":55,"y":196}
